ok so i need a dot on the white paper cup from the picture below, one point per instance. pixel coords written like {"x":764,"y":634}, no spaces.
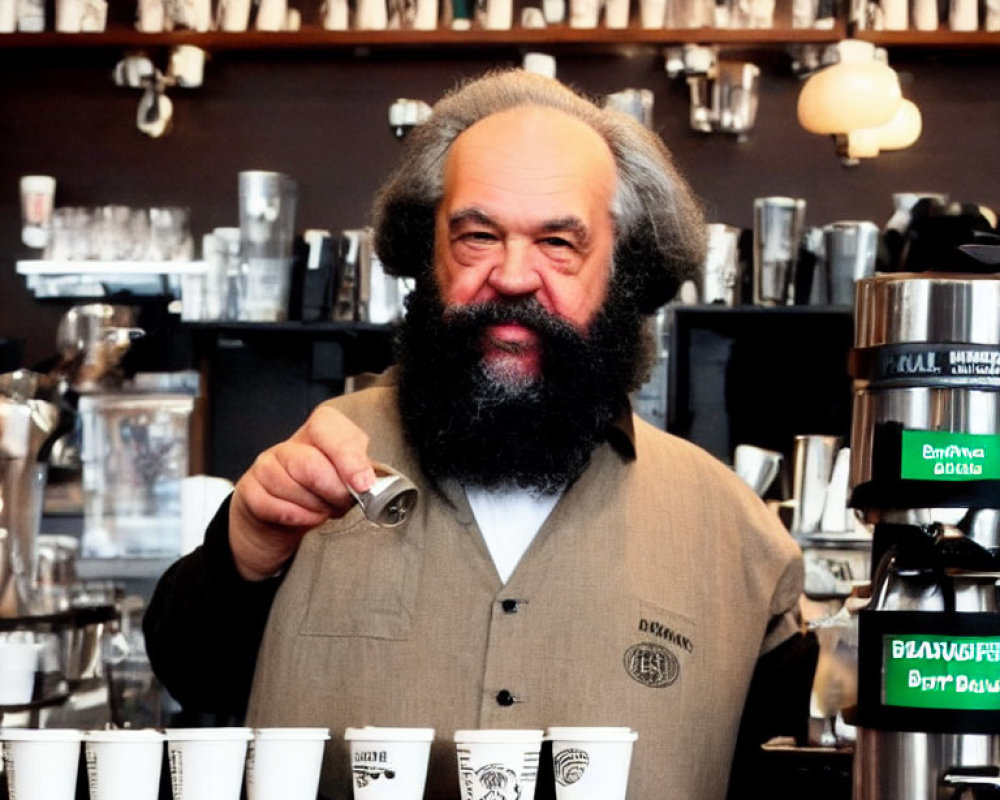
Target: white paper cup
{"x":284,"y":763}
{"x":124,"y":764}
{"x":207,"y":763}
{"x":389,"y":763}
{"x":18,"y":662}
{"x":504,"y":761}
{"x":41,"y":764}
{"x":591,"y":763}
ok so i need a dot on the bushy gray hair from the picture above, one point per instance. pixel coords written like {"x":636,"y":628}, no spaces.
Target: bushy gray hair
{"x":660,"y":231}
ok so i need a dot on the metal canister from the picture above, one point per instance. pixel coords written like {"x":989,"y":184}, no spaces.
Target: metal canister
{"x":926,"y":359}
{"x":925,"y":447}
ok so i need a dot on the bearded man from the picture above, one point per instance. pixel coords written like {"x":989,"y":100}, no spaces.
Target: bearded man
{"x":567,"y":564}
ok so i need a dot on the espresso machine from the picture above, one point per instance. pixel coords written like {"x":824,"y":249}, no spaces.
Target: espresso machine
{"x":925,"y":474}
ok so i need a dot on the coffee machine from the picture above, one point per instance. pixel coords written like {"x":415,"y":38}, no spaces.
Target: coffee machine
{"x":925,"y":474}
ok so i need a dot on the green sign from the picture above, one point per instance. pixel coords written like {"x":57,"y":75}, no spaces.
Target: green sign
{"x":947,"y":456}
{"x":933,"y":671}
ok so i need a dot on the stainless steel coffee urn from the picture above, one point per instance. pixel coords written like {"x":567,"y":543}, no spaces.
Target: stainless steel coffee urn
{"x":925,"y":474}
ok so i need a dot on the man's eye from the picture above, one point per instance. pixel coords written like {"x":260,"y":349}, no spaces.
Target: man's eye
{"x":556,"y":241}
{"x":477,"y":237}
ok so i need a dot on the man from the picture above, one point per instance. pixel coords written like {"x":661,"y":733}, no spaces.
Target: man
{"x":566,"y":563}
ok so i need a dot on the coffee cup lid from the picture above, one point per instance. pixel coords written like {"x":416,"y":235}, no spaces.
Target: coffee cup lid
{"x":590,"y":734}
{"x":40,"y":735}
{"x":124,"y":735}
{"x":291,"y":734}
{"x":499,"y":735}
{"x":371,"y":733}
{"x":209,"y":734}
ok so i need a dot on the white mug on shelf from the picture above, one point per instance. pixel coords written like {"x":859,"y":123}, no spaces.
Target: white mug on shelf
{"x":271,"y":15}
{"x":150,"y":16}
{"x":372,"y":15}
{"x":31,"y":16}
{"x":69,"y":16}
{"x":584,"y":13}
{"x":963,"y":15}
{"x":233,"y":15}
{"x":499,"y":15}
{"x":426,"y":17}
{"x":616,"y":13}
{"x":652,"y":13}
{"x":335,"y":15}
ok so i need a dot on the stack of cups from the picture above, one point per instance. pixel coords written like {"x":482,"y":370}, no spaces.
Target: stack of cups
{"x":389,"y":763}
{"x":41,"y":764}
{"x":124,"y":764}
{"x":498,"y":763}
{"x":591,"y":763}
{"x":285,"y":763}
{"x":207,"y":763}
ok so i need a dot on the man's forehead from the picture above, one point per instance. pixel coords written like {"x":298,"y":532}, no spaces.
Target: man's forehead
{"x":535,"y":127}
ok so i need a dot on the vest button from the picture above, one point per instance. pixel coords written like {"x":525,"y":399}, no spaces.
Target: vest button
{"x":509,"y":606}
{"x":505,"y":698}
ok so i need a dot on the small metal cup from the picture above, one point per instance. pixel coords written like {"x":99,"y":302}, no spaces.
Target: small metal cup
{"x":390,"y":499}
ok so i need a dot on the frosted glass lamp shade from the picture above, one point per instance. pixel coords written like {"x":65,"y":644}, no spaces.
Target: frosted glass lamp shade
{"x":848,"y":96}
{"x":903,"y":129}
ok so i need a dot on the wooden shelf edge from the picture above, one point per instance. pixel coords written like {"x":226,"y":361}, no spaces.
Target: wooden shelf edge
{"x":938,"y":38}
{"x":317,"y":37}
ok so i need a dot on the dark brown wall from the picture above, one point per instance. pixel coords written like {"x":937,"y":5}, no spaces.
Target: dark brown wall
{"x":322,"y":117}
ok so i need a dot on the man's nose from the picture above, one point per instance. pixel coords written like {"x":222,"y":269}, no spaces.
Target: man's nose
{"x":515,"y":274}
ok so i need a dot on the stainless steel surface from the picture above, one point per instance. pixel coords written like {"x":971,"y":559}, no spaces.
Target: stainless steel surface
{"x":390,"y":499}
{"x":894,"y":765}
{"x":756,"y":466}
{"x":974,"y":592}
{"x":812,"y":462}
{"x":917,"y":408}
{"x":24,"y":427}
{"x":982,"y":525}
{"x":721,"y":279}
{"x":777,"y":231}
{"x":851,"y":247}
{"x":905,"y":307}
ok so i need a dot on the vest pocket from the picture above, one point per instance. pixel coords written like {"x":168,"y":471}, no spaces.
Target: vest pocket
{"x":364,"y":584}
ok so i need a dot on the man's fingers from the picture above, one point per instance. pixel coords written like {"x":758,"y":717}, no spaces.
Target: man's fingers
{"x":343,"y":443}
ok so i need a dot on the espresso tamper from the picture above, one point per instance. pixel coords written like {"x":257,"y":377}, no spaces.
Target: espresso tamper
{"x":389,"y":500}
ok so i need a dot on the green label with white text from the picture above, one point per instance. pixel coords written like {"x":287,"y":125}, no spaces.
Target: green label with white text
{"x":933,"y":671}
{"x":948,"y":456}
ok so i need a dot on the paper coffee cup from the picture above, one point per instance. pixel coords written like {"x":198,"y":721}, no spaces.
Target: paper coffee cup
{"x":504,"y":761}
{"x":285,"y":763}
{"x":207,"y":763}
{"x":124,"y":764}
{"x":41,"y":764}
{"x":591,"y":762}
{"x":389,"y":763}
{"x":18,"y":662}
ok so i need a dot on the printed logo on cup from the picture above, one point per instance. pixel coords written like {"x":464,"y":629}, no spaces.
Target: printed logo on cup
{"x":569,"y":765}
{"x":370,"y":765}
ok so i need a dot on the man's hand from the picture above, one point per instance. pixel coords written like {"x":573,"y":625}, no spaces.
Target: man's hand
{"x":295,"y":486}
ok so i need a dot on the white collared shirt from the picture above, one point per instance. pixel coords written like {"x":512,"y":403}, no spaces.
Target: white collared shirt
{"x":509,"y":519}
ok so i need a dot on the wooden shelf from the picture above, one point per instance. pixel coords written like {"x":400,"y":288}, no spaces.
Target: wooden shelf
{"x":315,"y":37}
{"x":938,"y":38}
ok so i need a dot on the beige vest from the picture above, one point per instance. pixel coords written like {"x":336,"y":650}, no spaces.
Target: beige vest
{"x":643,"y":601}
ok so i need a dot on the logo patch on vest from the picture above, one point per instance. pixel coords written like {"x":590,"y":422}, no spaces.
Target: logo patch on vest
{"x":652,"y":665}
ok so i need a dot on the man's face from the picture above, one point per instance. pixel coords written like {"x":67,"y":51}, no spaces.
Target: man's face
{"x":526,"y":213}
